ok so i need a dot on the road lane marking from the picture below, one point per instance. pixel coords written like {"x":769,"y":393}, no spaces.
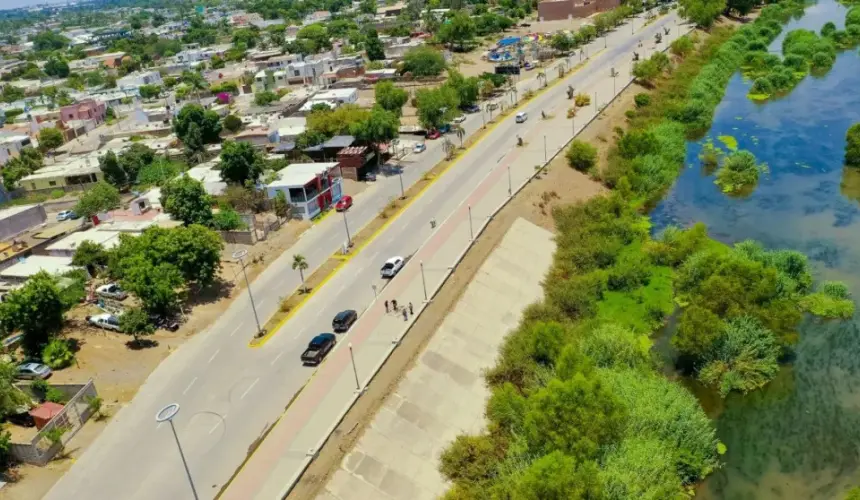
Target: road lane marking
{"x":249,"y":388}
{"x":276,"y":359}
{"x":236,"y":329}
{"x":215,"y":427}
{"x":189,"y":385}
{"x":213,"y":356}
{"x":260,"y":303}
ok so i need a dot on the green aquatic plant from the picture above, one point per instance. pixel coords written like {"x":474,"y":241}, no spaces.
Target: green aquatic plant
{"x":833,"y":300}
{"x":852,"y":146}
{"x":739,"y":173}
{"x":729,"y":142}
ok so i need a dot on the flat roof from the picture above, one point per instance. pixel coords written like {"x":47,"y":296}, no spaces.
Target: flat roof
{"x":335,"y":94}
{"x":339,"y":141}
{"x":300,"y":174}
{"x":13,"y":211}
{"x":107,"y":239}
{"x":29,"y":266}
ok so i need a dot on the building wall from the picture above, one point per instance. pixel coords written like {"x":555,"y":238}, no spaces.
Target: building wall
{"x":95,"y":111}
{"x":58,"y":182}
{"x":22,"y":221}
{"x":571,"y":9}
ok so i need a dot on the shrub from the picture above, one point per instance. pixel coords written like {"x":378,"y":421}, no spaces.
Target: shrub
{"x":630,"y":114}
{"x":470,"y":458}
{"x":642,"y":99}
{"x":638,"y":143}
{"x":682,"y":46}
{"x":762,"y":86}
{"x":738,"y":171}
{"x":821,"y":60}
{"x":581,"y":155}
{"x":55,"y":395}
{"x":232,"y":123}
{"x":852,"y":146}
{"x":581,"y":100}
{"x":57,"y":354}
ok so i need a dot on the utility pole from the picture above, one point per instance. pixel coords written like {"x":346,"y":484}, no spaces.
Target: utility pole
{"x":240,"y":256}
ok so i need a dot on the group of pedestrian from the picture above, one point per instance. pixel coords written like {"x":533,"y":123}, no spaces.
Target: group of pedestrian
{"x":406,"y":310}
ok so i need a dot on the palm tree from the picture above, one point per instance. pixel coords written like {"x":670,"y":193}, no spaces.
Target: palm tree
{"x":449,"y":148}
{"x":458,"y":129}
{"x":300,"y":264}
{"x":542,"y":76}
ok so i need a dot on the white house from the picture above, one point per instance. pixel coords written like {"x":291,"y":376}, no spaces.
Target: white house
{"x":11,"y":146}
{"x":309,"y":188}
{"x":136,"y":80}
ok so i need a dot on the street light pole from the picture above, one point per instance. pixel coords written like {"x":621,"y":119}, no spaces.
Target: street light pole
{"x":346,"y":226}
{"x":354,"y":369}
{"x":400,"y":176}
{"x":423,"y":281}
{"x":471,"y":231}
{"x":166,"y":414}
{"x":545,"y":159}
{"x":240,"y":256}
{"x":510,"y":186}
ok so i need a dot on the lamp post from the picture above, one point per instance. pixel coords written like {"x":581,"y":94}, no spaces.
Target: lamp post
{"x":240,"y":256}
{"x":510,"y":185}
{"x":471,"y":231}
{"x":166,"y":414}
{"x":400,"y":176}
{"x":346,"y":226}
{"x":423,"y":281}
{"x":354,"y":369}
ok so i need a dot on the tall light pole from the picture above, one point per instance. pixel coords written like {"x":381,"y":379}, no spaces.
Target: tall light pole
{"x":471,"y":231}
{"x":400,"y":176}
{"x":354,"y":369}
{"x":346,"y":226}
{"x":240,"y":256}
{"x":510,"y":185}
{"x":166,"y":414}
{"x":545,"y":159}
{"x":423,"y":281}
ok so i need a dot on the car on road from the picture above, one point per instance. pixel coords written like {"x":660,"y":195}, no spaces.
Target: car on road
{"x":459,"y":119}
{"x":343,"y":204}
{"x":319,"y":346}
{"x":444,"y":129}
{"x":112,"y":291}
{"x":32,"y":371}
{"x":522,"y":116}
{"x":419,"y":148}
{"x":344,"y":320}
{"x":472,"y":108}
{"x":391,"y":267}
{"x":67,"y":215}
{"x":106,"y":321}
{"x":433,"y":134}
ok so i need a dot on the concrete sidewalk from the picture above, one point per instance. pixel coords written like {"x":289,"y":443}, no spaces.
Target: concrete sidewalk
{"x":280,"y":460}
{"x":444,"y":394}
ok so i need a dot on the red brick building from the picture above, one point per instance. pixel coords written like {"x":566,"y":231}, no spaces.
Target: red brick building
{"x":556,"y":10}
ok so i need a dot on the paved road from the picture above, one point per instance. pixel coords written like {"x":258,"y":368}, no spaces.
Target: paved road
{"x":230,"y":393}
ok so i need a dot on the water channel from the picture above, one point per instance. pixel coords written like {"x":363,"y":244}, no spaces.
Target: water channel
{"x":799,"y":438}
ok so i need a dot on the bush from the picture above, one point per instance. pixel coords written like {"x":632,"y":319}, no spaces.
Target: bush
{"x":852,"y":146}
{"x":822,"y":60}
{"x":227,"y":219}
{"x":682,"y":46}
{"x":57,"y":354}
{"x":581,"y":100}
{"x":232,"y":123}
{"x":738,"y":171}
{"x":642,"y":99}
{"x":55,"y":395}
{"x":581,"y":155}
{"x":762,"y":86}
{"x":470,"y":458}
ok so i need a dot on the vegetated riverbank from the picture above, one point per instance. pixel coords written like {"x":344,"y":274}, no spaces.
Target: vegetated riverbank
{"x":579,"y":408}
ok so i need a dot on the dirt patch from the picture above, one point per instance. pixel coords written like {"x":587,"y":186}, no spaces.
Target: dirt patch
{"x":559,"y":184}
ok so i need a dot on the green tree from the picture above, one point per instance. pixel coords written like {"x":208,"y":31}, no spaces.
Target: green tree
{"x":12,"y":93}
{"x":135,"y":322}
{"x":467,"y":88}
{"x":155,"y":285}
{"x":457,"y":31}
{"x":57,"y":67}
{"x":562,"y":42}
{"x":227,"y":219}
{"x":281,"y":206}
{"x":57,"y":354}
{"x":581,"y":155}
{"x":240,"y":163}
{"x":36,"y":310}
{"x":646,"y":71}
{"x":265,"y":98}
{"x":300,"y":264}
{"x":27,"y":162}
{"x":698,"y":331}
{"x":744,"y":358}
{"x":114,"y":174}
{"x":389,"y":97}
{"x":317,"y":37}
{"x":208,"y":122}
{"x":48,"y":40}
{"x":194,"y":147}
{"x":101,"y":197}
{"x":436,"y":107}
{"x":423,"y":61}
{"x":702,"y":12}
{"x":372,"y":45}
{"x":186,"y":199}
{"x":741,"y":7}
{"x":11,"y":398}
{"x":852,"y":146}
{"x":379,"y":128}
{"x":247,"y":36}
{"x":592,"y":418}
{"x":90,"y":255}
{"x":50,"y":139}
{"x":134,"y":159}
{"x":558,"y":477}
{"x":232,"y":123}
{"x":149,"y":91}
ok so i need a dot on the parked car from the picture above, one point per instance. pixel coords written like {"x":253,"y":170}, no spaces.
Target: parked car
{"x":391,"y":267}
{"x":343,"y":320}
{"x":343,"y":204}
{"x":67,"y":215}
{"x":321,"y":345}
{"x":419,"y":148}
{"x":21,"y":416}
{"x":106,"y":321}
{"x":459,"y":119}
{"x":112,"y":291}
{"x":472,"y":108}
{"x":444,"y":129}
{"x":370,"y":177}
{"x":522,"y":116}
{"x":33,"y":371}
{"x":433,"y":134}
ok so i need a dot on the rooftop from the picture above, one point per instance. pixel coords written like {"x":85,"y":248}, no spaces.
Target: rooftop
{"x":13,"y":211}
{"x":107,"y":239}
{"x":300,"y":174}
{"x":33,"y":264}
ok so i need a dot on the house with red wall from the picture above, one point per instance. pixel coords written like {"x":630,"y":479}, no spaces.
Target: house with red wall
{"x":88,"y":109}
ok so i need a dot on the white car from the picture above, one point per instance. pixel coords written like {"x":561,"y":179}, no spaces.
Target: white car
{"x":66,"y":215}
{"x":112,"y":291}
{"x":522,"y":116}
{"x":106,"y":321}
{"x":391,"y":267}
{"x":460,"y":119}
{"x":419,"y":148}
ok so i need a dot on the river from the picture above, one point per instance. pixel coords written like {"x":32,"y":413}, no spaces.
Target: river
{"x":799,"y":437}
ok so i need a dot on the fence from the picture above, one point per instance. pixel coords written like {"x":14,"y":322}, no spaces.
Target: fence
{"x":76,"y":412}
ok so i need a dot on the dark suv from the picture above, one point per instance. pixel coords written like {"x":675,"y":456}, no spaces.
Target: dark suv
{"x":343,"y":320}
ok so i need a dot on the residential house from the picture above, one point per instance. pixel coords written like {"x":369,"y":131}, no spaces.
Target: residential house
{"x":77,"y":173}
{"x":133,"y":81}
{"x":110,"y":60}
{"x":310,"y":188}
{"x":557,"y":10}
{"x":11,"y":146}
{"x":320,"y":16}
{"x":354,"y":161}
{"x":88,"y":109}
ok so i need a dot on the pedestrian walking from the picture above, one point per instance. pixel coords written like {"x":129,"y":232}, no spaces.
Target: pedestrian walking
{"x":394,"y":305}
{"x":386,"y":306}
{"x":405,"y":315}
{"x":410,"y":309}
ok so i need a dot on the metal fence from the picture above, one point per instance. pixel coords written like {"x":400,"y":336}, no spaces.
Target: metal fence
{"x":75,"y":413}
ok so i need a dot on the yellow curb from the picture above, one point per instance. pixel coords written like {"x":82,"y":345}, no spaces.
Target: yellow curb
{"x":260,"y":342}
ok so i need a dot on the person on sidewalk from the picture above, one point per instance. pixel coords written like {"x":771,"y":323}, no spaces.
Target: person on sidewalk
{"x":410,"y":309}
{"x":394,"y":305}
{"x":386,"y":307}
{"x":405,"y":315}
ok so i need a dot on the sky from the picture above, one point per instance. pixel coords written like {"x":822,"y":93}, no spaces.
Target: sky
{"x":14,"y":4}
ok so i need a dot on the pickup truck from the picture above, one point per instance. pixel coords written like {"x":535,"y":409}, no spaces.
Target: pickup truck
{"x":318,"y":348}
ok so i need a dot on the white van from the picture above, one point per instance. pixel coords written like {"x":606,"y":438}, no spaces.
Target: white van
{"x":522,"y":116}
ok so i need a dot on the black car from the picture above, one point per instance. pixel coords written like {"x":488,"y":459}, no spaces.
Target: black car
{"x":472,"y":108}
{"x":318,"y":348}
{"x":22,"y":418}
{"x":343,"y":320}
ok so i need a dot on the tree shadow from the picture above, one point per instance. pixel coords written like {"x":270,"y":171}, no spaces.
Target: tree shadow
{"x":140,"y":344}
{"x":219,"y":289}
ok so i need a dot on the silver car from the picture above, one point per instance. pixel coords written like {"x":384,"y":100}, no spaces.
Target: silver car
{"x":33,"y":371}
